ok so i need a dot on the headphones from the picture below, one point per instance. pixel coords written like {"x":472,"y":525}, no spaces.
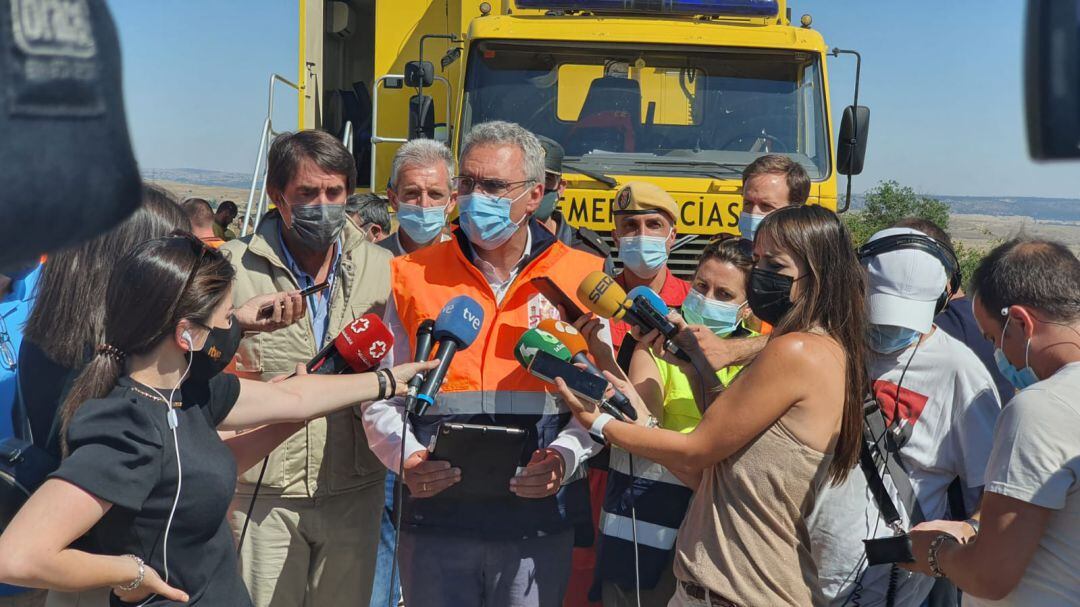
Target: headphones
{"x":920,"y":242}
{"x":186,"y":336}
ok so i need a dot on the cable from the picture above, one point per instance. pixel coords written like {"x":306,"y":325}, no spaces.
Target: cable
{"x":399,"y":495}
{"x":251,"y":506}
{"x":633,"y":532}
{"x":174,"y":422}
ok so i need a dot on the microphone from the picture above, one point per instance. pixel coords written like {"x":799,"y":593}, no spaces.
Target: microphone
{"x":357,"y":349}
{"x":544,"y":356}
{"x":603,"y":296}
{"x":424,"y":343}
{"x":579,"y":349}
{"x":536,"y":340}
{"x":455,"y":329}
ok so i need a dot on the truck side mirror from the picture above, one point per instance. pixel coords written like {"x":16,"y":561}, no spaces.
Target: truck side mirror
{"x":421,"y":117}
{"x":851,"y":148}
{"x":1052,"y":79}
{"x":419,"y":74}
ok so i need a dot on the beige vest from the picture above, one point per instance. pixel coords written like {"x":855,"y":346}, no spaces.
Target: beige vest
{"x":330,"y":454}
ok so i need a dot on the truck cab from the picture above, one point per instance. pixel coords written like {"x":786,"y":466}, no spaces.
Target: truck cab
{"x":681,"y":93}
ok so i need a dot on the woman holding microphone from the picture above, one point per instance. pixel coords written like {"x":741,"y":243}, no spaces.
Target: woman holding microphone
{"x":768,"y":442}
{"x":145,"y":473}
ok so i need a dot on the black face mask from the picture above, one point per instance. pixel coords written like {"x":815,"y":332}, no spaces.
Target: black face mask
{"x":770,"y":295}
{"x":217,"y":352}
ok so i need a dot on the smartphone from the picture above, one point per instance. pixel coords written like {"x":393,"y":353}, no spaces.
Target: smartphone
{"x":268,"y":310}
{"x":557,"y":297}
{"x":882,"y":550}
{"x":584,"y":385}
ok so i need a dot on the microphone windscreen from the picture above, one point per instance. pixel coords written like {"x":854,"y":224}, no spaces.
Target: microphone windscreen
{"x":602,"y":295}
{"x":460,"y":320}
{"x":565,"y":333}
{"x":649,"y":296}
{"x":364,"y":343}
{"x":66,"y":161}
{"x":535,"y":340}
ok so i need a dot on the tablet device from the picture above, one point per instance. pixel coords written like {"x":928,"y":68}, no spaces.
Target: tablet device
{"x":488,"y":457}
{"x":557,"y":297}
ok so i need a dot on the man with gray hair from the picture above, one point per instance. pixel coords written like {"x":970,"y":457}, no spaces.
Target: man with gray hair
{"x":370,"y":215}
{"x":421,"y":195}
{"x":458,"y":548}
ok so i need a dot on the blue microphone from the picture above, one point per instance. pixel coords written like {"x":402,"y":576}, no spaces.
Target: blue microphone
{"x":455,"y":329}
{"x":652,"y":312}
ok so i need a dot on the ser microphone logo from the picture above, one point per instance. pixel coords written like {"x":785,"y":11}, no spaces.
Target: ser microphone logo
{"x":601,"y":287}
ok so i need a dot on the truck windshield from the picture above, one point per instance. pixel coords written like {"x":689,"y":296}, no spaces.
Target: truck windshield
{"x":655,"y":110}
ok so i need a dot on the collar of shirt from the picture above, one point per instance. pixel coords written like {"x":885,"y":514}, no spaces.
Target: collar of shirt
{"x":318,"y":303}
{"x":673,"y":291}
{"x":500,"y":287}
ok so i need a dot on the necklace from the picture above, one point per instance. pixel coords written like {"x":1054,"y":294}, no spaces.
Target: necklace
{"x":157,"y":397}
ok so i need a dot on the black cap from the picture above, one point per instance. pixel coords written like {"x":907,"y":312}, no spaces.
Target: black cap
{"x":553,"y":154}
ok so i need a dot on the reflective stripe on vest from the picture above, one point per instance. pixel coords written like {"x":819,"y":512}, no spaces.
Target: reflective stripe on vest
{"x":510,"y":402}
{"x":648,"y":534}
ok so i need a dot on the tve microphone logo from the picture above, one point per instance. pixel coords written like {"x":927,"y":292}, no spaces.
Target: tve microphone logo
{"x":471,"y":318}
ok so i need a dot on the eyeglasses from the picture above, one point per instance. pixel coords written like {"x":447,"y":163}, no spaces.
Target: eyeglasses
{"x":7,"y":349}
{"x":465,"y":184}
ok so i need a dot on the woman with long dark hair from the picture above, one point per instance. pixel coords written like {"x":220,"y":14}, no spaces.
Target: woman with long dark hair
{"x":146,"y":474}
{"x":786,"y":425}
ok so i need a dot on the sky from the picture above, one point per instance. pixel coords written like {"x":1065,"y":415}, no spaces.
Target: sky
{"x":942,"y":80}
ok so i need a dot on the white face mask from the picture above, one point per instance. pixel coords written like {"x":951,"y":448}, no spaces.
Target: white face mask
{"x":720,"y":317}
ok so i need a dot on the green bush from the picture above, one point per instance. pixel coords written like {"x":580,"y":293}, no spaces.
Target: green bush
{"x":889,"y":202}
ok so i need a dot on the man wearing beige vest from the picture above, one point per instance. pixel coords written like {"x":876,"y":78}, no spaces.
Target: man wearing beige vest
{"x":313,"y":532}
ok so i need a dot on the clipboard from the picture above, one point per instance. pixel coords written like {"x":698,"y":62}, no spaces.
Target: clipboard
{"x":487,"y":455}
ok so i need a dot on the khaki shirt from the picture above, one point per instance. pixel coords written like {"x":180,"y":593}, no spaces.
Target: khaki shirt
{"x":329,"y":455}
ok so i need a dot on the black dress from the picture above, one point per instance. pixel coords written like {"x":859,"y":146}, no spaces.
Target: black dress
{"x":123,"y":452}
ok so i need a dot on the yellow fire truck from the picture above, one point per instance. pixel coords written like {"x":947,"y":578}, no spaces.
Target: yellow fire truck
{"x":682,"y":93}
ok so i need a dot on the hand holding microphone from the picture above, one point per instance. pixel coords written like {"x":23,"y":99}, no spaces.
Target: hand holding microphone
{"x":645,"y":310}
{"x":579,"y":351}
{"x":455,"y":329}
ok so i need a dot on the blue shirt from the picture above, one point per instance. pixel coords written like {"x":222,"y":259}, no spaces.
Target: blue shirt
{"x":318,"y":304}
{"x":14,"y":310}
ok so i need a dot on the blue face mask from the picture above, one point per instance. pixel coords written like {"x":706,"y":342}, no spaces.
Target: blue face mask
{"x":720,"y":317}
{"x":486,"y":219}
{"x":748,"y":225}
{"x":643,"y":255}
{"x":1019,"y":378}
{"x":421,"y":224}
{"x":886,"y":339}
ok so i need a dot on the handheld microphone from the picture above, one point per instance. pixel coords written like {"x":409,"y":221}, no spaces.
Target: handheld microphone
{"x":601,"y":294}
{"x":455,"y":329}
{"x":579,"y":349}
{"x":424,"y":343}
{"x":544,"y":356}
{"x":357,"y":349}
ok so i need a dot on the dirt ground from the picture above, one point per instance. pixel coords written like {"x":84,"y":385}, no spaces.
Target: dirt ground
{"x":980,"y":231}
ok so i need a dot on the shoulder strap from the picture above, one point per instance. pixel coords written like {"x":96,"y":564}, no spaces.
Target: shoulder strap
{"x":878,"y":445}
{"x":593,"y":240}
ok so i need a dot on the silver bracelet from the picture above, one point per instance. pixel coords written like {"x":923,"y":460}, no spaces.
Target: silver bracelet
{"x":931,"y":556}
{"x":138,"y":579}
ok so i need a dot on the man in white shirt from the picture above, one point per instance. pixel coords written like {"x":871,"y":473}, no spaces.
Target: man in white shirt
{"x":940,"y":404}
{"x":1027,"y":552}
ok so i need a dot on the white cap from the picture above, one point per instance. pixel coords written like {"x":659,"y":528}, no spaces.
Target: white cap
{"x":904,"y":285}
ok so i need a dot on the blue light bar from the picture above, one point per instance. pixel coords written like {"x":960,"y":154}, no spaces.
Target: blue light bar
{"x":740,"y":8}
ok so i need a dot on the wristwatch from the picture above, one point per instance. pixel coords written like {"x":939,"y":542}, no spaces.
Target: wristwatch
{"x":597,"y":429}
{"x":974,"y":524}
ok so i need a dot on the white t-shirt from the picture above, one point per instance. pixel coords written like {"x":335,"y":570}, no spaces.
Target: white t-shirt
{"x":948,"y":406}
{"x":1036,"y":459}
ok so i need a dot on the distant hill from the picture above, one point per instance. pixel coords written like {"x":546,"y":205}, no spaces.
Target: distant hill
{"x":205,"y":177}
{"x":1040,"y":209}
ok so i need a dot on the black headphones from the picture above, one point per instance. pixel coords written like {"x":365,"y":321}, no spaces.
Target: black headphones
{"x":920,"y":242}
